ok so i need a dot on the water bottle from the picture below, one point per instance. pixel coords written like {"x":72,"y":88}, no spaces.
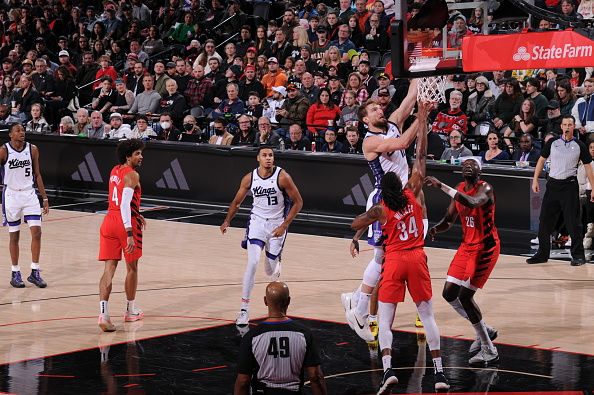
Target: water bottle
{"x":282,"y":144}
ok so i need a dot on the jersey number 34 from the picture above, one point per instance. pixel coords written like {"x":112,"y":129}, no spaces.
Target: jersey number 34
{"x":408,"y":229}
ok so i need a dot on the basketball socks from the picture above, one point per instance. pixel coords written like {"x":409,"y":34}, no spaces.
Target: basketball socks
{"x":34,"y":266}
{"x":16,"y":268}
{"x":245,"y":304}
{"x":387,"y":362}
{"x":437,"y":365}
{"x":372,"y":317}
{"x":457,"y":305}
{"x":130,"y":306}
{"x":481,"y":332}
{"x":362,"y":309}
{"x":103,"y":308}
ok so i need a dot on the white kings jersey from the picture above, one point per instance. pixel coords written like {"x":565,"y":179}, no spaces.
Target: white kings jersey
{"x":389,"y":161}
{"x":270,"y":202}
{"x":18,"y":169}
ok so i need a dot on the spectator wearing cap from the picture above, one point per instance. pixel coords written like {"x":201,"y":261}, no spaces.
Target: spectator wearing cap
{"x":142,"y":130}
{"x":104,"y":97}
{"x":37,"y":123}
{"x":293,"y":110}
{"x":173,"y":103}
{"x":281,"y":48}
{"x":368,"y":80}
{"x":64,"y":60}
{"x":250,"y":84}
{"x":170,"y":69}
{"x":320,"y":79}
{"x":119,"y":130}
{"x":458,"y":84}
{"x":136,"y":50}
{"x":384,"y":100}
{"x":275,"y":102}
{"x":160,"y":78}
{"x":124,"y":98}
{"x":322,"y":114}
{"x":219,"y":90}
{"x":336,"y":90}
{"x":41,"y":48}
{"x":540,"y":102}
{"x":478,"y":104}
{"x":105,"y":70}
{"x":321,"y":45}
{"x":583,"y":110}
{"x":274,"y":77}
{"x":383,"y":81}
{"x":196,"y":93}
{"x":311,"y":66}
{"x":27,"y":67}
{"x":245,"y":41}
{"x":232,"y":106}
{"x":458,"y":31}
{"x":146,"y":102}
{"x":451,"y":119}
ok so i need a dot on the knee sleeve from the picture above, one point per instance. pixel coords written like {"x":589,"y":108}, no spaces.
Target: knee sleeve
{"x":385,"y":312}
{"x":425,"y":310}
{"x":374,"y":269}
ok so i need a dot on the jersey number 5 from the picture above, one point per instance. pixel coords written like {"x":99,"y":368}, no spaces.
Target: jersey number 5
{"x":114,"y":197}
{"x":406,"y":231}
{"x":279,"y":348}
{"x":27,"y":171}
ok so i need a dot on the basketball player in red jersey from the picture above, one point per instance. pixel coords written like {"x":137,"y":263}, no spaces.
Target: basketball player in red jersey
{"x":121,"y":230}
{"x":405,"y":264}
{"x":474,"y":201}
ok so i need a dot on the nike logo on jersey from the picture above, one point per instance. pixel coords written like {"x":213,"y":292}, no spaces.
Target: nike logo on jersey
{"x":261,"y":191}
{"x":16,"y":163}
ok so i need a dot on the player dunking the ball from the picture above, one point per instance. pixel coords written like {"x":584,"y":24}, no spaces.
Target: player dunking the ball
{"x":400,"y":213}
{"x":20,"y":168}
{"x":383,"y":148}
{"x":276,"y":202}
{"x":121,"y":230}
{"x":474,"y":201}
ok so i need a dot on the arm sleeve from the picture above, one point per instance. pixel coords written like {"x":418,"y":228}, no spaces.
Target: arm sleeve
{"x":125,"y":209}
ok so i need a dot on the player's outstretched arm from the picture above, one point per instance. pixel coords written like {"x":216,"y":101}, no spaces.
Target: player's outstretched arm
{"x":375,"y":213}
{"x":244,"y":188}
{"x":483,"y":195}
{"x":399,"y":116}
{"x":286,"y":183}
{"x":415,"y":183}
{"x":38,"y":178}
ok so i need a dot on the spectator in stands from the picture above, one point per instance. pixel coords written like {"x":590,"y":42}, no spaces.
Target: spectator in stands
{"x":458,"y":32}
{"x":332,"y":24}
{"x":354,"y":84}
{"x":280,"y":49}
{"x":565,"y":97}
{"x":523,"y":122}
{"x":191,"y":128}
{"x":181,"y":76}
{"x":297,"y":73}
{"x":478,"y":105}
{"x":265,"y":135}
{"x":104,"y":97}
{"x":105,"y":70}
{"x":361,"y":13}
{"x":383,"y":98}
{"x":343,"y":43}
{"x":160,"y":78}
{"x":376,"y":38}
{"x":66,"y":125}
{"x":82,"y":121}
{"x":43,"y":81}
{"x":219,"y":90}
{"x":497,"y":84}
{"x":254,"y":109}
{"x":348,"y":114}
{"x":568,"y":9}
{"x":275,"y":102}
{"x":586,"y":9}
{"x":540,"y":102}
{"x":507,"y":105}
{"x":64,"y":59}
{"x":293,"y":110}
{"x":250,"y":84}
{"x":331,"y":145}
{"x":457,"y":149}
{"x":231,"y":107}
{"x":118,"y":130}
{"x":296,"y":140}
{"x":308,"y":89}
{"x":7,"y":90}
{"x":27,"y":66}
{"x":336,"y":90}
{"x":357,"y":36}
{"x":367,"y":80}
{"x":183,"y":32}
{"x":476,"y":21}
{"x":545,"y":90}
{"x":142,"y":130}
{"x":97,"y":128}
{"x":198,"y":87}
{"x":527,"y":151}
{"x":451,"y":119}
{"x":493,"y":152}
{"x":353,"y":143}
{"x":245,"y":41}
{"x":246,"y":134}
{"x":146,"y":102}
{"x":173,"y":103}
{"x":6,"y":118}
{"x":300,"y":39}
{"x":168,"y":130}
{"x":230,"y":53}
{"x":322,"y":114}
{"x":153,"y":43}
{"x":262,"y":44}
{"x":583,"y":110}
{"x":124,"y":98}
{"x":383,"y":81}
{"x":311,"y":66}
{"x":344,"y":10}
{"x":209,"y":52}
{"x":321,"y":45}
{"x":25,"y":97}
{"x":289,"y":23}
{"x":59,"y":99}
{"x":274,"y":77}
{"x":553,"y":123}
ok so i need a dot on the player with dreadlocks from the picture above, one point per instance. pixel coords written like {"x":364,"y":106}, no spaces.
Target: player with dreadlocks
{"x":405,"y":266}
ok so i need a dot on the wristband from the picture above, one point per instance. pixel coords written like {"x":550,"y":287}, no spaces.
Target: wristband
{"x":46,"y":200}
{"x":129,"y":233}
{"x":449,"y":190}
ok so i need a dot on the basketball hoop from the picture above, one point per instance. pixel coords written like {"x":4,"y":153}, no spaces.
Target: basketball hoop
{"x":432,"y":89}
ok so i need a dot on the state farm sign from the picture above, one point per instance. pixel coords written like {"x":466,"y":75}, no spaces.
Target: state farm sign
{"x":527,"y":51}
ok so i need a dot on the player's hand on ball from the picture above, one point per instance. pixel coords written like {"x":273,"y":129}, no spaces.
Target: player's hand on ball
{"x":432,"y":182}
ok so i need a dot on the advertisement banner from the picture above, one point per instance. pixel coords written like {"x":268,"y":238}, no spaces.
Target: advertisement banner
{"x":544,"y":50}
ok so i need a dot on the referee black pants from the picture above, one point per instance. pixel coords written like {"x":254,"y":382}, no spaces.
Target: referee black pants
{"x":561,"y":196}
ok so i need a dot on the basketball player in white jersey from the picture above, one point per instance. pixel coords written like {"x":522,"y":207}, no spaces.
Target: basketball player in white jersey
{"x":276,"y":202}
{"x":384,"y":149}
{"x":20,"y":168}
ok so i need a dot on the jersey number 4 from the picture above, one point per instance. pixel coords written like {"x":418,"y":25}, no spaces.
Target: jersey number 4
{"x":114,"y":197}
{"x":279,"y":348}
{"x":407,"y":230}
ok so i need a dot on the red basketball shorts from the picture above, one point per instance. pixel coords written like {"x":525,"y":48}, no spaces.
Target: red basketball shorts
{"x":405,"y":269}
{"x":113,"y":239}
{"x":473,"y":264}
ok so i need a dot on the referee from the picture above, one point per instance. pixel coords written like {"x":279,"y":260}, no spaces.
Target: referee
{"x":274,"y":355}
{"x":562,"y":193}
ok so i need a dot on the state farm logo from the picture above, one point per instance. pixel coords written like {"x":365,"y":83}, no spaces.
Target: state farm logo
{"x":540,"y":52}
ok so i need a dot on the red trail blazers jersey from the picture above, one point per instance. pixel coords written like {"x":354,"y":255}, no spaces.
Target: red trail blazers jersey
{"x":478,"y":224}
{"x":403,"y":230}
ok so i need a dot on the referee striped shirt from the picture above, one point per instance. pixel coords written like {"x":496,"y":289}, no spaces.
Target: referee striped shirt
{"x":565,"y":156}
{"x":275,"y":354}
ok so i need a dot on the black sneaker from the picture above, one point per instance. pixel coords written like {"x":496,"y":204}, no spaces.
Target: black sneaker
{"x":388,"y":382}
{"x":537,"y":259}
{"x":35,"y":278}
{"x":441,"y":382}
{"x":578,"y":261}
{"x":16,"y":280}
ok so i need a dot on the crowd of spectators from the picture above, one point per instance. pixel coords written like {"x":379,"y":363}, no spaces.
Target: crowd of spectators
{"x":211,"y":71}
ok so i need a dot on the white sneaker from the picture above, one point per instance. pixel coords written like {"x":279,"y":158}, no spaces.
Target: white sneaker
{"x":275,"y":276}
{"x":360,"y":325}
{"x":485,"y":357}
{"x":476,"y":344}
{"x":534,"y":241}
{"x":242,"y":318}
{"x":346,"y":299}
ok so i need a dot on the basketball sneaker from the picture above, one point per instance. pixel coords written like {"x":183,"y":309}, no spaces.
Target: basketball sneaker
{"x":105,"y":324}
{"x":242,"y":318}
{"x":418,"y":322}
{"x":16,"y":280}
{"x":485,"y":357}
{"x":35,"y":278}
{"x":476,"y":344}
{"x":388,"y":382}
{"x":441,"y":382}
{"x":275,"y":276}
{"x":346,"y":299}
{"x":360,"y":325}
{"x":134,"y":315}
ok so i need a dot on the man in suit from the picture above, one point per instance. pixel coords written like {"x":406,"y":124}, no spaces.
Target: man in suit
{"x":527,"y":152}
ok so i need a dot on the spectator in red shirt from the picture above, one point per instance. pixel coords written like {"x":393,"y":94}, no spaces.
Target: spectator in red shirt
{"x":105,"y":70}
{"x":322,"y":114}
{"x":453,"y":118}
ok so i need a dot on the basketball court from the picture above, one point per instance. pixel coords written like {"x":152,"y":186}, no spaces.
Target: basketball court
{"x":189,"y":288}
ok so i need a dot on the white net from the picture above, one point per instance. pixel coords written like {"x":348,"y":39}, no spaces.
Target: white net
{"x":432,"y":89}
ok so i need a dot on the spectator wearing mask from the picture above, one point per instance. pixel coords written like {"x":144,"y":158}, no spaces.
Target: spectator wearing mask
{"x":168,"y":130}
{"x":221,"y":136}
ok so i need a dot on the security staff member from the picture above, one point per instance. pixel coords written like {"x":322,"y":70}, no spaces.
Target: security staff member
{"x":274,"y":355}
{"x":562,"y":193}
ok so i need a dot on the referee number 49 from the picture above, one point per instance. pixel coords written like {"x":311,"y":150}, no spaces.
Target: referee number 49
{"x":279,"y":348}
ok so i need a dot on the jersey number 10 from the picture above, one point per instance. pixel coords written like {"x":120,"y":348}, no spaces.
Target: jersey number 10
{"x":279,"y":348}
